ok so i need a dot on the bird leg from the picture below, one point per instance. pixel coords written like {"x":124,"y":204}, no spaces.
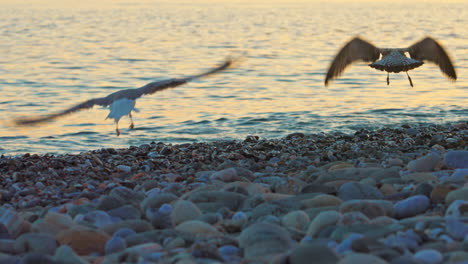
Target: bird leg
{"x":132,"y":125}
{"x":117,"y":128}
{"x":409,"y":78}
{"x":388,"y":78}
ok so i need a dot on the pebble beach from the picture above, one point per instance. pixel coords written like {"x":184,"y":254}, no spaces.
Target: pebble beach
{"x":392,"y":195}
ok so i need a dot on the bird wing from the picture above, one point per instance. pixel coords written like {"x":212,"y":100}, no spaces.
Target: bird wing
{"x":428,"y":49}
{"x":85,"y":105}
{"x":132,"y":94}
{"x":354,"y":50}
{"x":171,"y":83}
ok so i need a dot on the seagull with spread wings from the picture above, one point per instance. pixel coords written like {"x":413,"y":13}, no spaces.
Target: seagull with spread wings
{"x":393,"y":59}
{"x":122,"y":103}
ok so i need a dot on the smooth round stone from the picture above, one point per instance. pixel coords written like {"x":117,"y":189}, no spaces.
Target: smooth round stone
{"x":138,"y":225}
{"x":429,"y":256}
{"x":456,"y":229}
{"x":229,"y":253}
{"x":318,"y":188}
{"x":65,"y":255}
{"x":240,"y":216}
{"x":355,"y":258}
{"x":420,"y":177}
{"x":114,"y":245}
{"x":125,"y":212}
{"x":156,"y":201}
{"x":411,"y":206}
{"x":79,"y":240}
{"x":160,"y":218}
{"x":458,"y":257}
{"x":423,"y":189}
{"x":98,"y":218}
{"x":457,"y":159}
{"x":12,"y":221}
{"x":424,"y":164}
{"x":124,"y":232}
{"x":370,"y":208}
{"x":322,"y":200}
{"x":457,"y":208}
{"x":322,"y":220}
{"x":36,"y":258}
{"x":394,"y":162}
{"x":305,"y":253}
{"x":383,"y":221}
{"x":296,"y":220}
{"x":52,"y":223}
{"x":7,"y":246}
{"x":134,"y":253}
{"x":263,"y":239}
{"x":184,"y":211}
{"x":222,"y":199}
{"x":124,"y":168}
{"x":357,"y":190}
{"x":439,"y":192}
{"x":38,"y":243}
{"x":460,"y":194}
{"x":198,"y":228}
{"x":459,"y":175}
{"x":127,"y":196}
{"x":226,"y":175}
{"x":345,"y":245}
{"x":177,"y":242}
{"x":107,"y":203}
{"x":354,"y":218}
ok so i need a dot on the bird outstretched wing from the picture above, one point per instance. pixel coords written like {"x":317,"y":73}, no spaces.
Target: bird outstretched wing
{"x":355,"y":50}
{"x":132,"y":94}
{"x":41,"y":119}
{"x":428,"y":49}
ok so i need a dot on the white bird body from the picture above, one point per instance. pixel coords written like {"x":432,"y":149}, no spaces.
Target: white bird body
{"x":121,"y":107}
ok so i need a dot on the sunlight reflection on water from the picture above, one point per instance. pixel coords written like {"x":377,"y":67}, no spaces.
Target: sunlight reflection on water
{"x":54,"y":57}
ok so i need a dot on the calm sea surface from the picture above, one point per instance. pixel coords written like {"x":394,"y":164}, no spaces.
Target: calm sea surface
{"x":54,"y":55}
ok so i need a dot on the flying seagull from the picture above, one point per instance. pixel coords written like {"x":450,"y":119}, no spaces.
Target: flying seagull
{"x":393,"y":59}
{"x":122,"y":103}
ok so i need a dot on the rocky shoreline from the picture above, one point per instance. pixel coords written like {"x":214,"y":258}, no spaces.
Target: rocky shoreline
{"x":393,"y":195}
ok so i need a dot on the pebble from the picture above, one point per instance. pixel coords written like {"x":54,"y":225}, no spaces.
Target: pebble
{"x":305,"y":253}
{"x":457,"y":159}
{"x":263,"y":239}
{"x":424,"y":164}
{"x":377,"y":196}
{"x":429,"y":256}
{"x":78,"y":240}
{"x":322,"y":220}
{"x":361,"y":258}
{"x":411,"y":206}
{"x":357,"y":190}
{"x":459,"y":194}
{"x":184,"y":211}
{"x":114,"y":245}
{"x":197,"y":228}
{"x":296,"y":220}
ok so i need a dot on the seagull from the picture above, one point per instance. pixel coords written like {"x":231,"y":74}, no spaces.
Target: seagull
{"x":393,"y":59}
{"x":122,"y":103}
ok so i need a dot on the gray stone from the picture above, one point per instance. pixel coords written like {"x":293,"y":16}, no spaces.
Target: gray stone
{"x":456,"y":159}
{"x":304,"y":254}
{"x":357,"y":190}
{"x":411,"y":206}
{"x":38,"y":243}
{"x":263,"y":239}
{"x":426,"y":163}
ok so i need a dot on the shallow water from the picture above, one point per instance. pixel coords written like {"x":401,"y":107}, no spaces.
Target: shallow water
{"x":54,"y":55}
